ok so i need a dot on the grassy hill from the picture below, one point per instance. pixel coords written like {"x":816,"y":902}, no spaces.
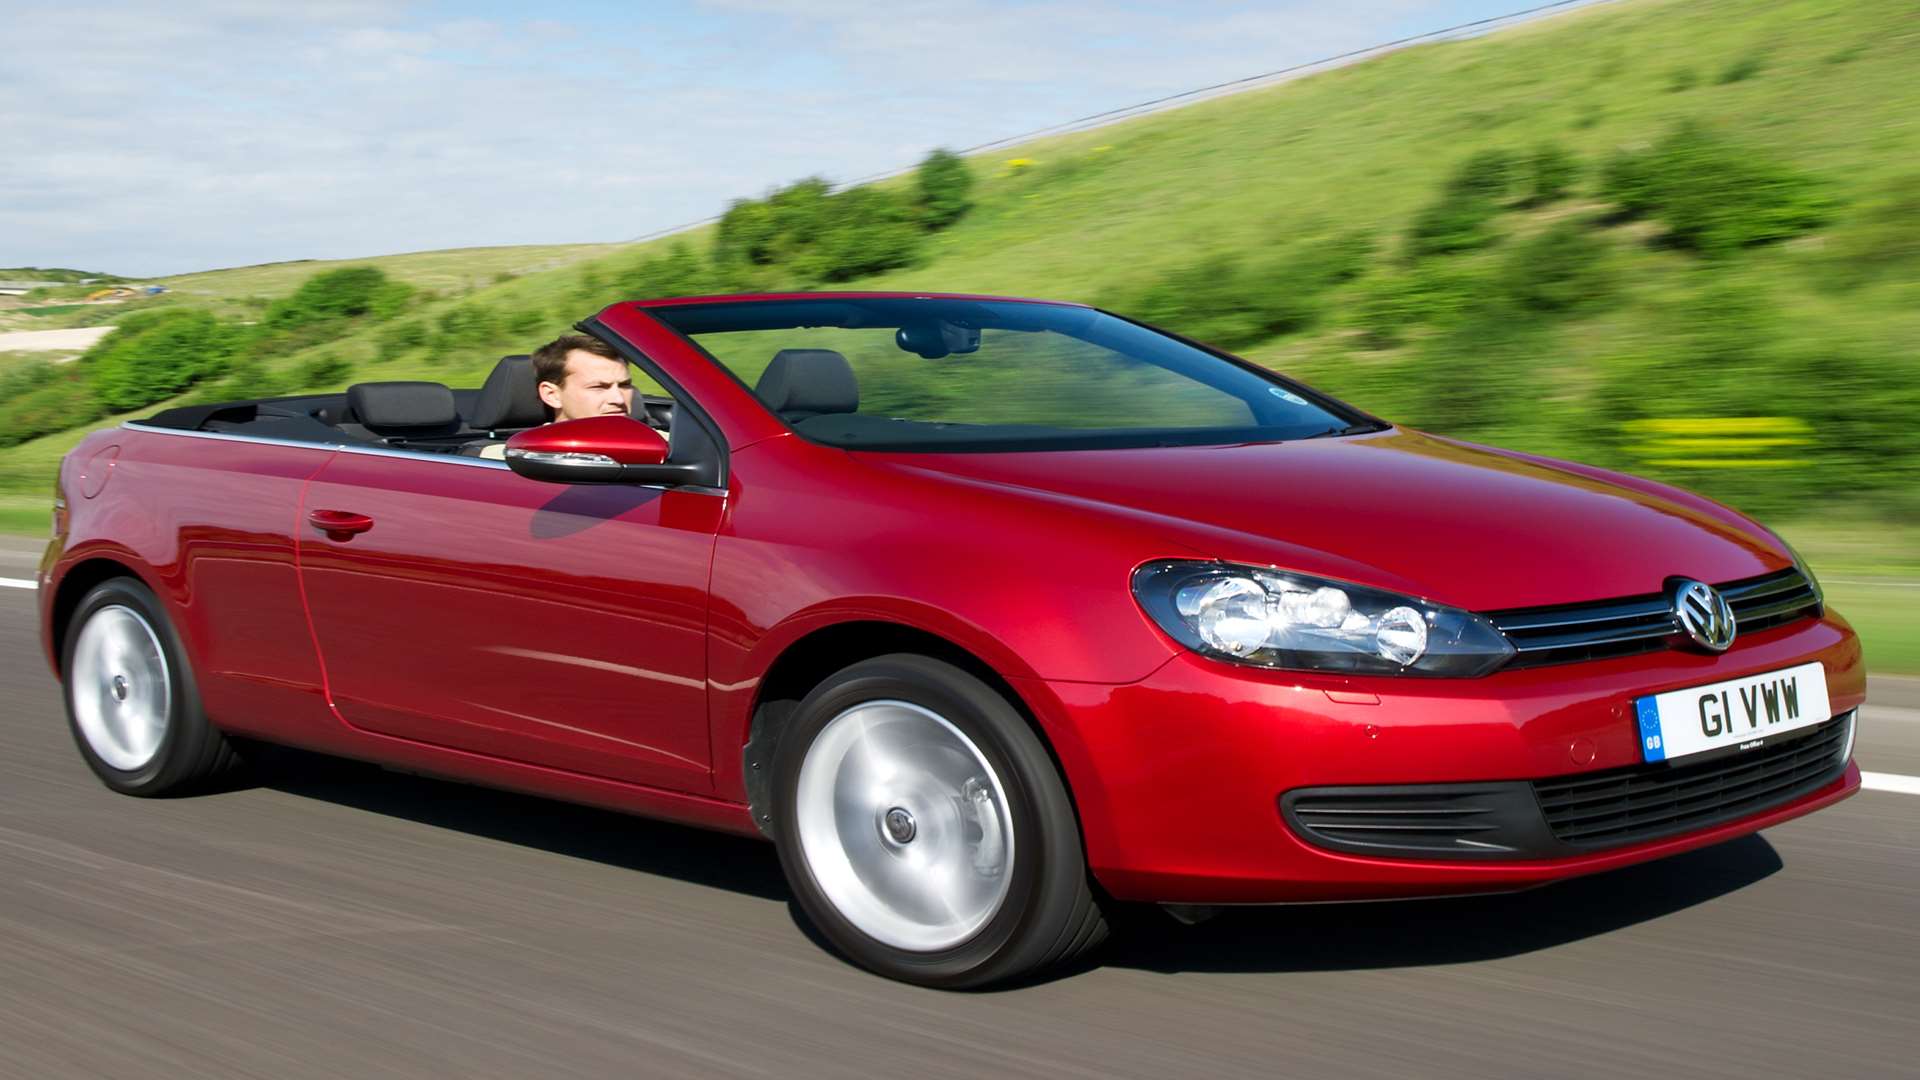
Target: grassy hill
{"x":1780,"y":375}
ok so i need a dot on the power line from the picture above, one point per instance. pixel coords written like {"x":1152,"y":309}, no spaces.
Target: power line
{"x":1127,"y":111}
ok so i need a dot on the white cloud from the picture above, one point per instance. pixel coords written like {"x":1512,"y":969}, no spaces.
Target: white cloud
{"x":145,"y":139}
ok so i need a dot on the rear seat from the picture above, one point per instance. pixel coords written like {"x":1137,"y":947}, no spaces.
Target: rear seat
{"x":419,"y":414}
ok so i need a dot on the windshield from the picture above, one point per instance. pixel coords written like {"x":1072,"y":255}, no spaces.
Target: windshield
{"x":948,"y":375}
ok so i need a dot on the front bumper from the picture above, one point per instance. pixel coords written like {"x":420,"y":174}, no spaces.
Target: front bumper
{"x":1180,"y":778}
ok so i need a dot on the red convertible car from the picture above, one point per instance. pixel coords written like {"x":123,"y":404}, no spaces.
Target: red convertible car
{"x":988,"y":612}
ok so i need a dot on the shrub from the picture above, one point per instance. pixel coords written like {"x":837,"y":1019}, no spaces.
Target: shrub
{"x":345,"y":293}
{"x":1743,"y":69}
{"x":1458,"y":222}
{"x":1682,"y":80}
{"x":860,"y":231}
{"x":1428,"y":294}
{"x":943,"y":183}
{"x":42,"y":399}
{"x":155,"y":355}
{"x":469,"y":324}
{"x":1222,"y":301}
{"x":525,"y":321}
{"x":396,"y":338}
{"x":1489,"y":174}
{"x":323,"y":370}
{"x":246,"y":378}
{"x":1563,"y":269}
{"x":815,"y":234}
{"x":1550,"y":174}
{"x":1713,"y":196}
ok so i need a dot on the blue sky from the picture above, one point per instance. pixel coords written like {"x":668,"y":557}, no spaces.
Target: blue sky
{"x":150,"y":139}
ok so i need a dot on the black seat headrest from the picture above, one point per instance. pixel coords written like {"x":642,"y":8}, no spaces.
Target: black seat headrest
{"x":403,"y":406}
{"x":809,"y":381}
{"x":510,"y":398}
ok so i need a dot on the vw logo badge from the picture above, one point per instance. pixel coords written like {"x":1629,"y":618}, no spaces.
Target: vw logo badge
{"x":1703,"y":613}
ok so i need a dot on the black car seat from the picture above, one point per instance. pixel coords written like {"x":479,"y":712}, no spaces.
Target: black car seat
{"x":510,"y":398}
{"x":800,"y":383}
{"x":401,"y":413}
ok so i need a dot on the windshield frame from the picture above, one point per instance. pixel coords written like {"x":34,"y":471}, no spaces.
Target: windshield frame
{"x":1358,"y":421}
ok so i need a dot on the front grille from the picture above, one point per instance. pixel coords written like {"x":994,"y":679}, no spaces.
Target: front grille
{"x":1644,"y":802}
{"x":1566,"y":633}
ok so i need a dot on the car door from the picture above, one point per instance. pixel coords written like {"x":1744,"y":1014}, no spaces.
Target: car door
{"x":459,"y":604}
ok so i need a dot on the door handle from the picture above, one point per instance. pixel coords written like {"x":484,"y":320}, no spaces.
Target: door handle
{"x":341,"y":525}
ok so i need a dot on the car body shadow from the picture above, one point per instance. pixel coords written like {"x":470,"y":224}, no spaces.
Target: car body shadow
{"x":697,"y":856}
{"x":1303,"y":937}
{"x":1418,"y":933}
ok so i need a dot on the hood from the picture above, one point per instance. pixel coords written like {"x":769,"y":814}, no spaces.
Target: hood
{"x":1460,"y":524}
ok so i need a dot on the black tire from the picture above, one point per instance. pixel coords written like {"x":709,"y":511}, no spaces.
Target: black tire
{"x":1048,"y":913}
{"x":191,"y":752}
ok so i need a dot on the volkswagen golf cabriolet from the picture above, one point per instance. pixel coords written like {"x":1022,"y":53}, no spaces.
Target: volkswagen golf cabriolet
{"x":991,"y":614}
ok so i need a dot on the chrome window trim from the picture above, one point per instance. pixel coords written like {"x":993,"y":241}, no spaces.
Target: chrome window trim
{"x":342,"y":447}
{"x":379,"y":451}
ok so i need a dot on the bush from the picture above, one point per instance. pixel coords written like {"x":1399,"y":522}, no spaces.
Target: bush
{"x":1563,"y":269}
{"x":154,"y":355}
{"x":860,"y":231}
{"x":246,"y":379}
{"x":1489,"y":174}
{"x":818,"y":235}
{"x":395,"y":339}
{"x":345,"y":293}
{"x":746,"y":233}
{"x":40,"y":399}
{"x":943,"y":183}
{"x":1550,"y":174}
{"x":1456,"y":223}
{"x":1715,"y":197}
{"x":1682,"y":80}
{"x":525,"y":321}
{"x":1743,"y":69}
{"x":1388,"y":306}
{"x":468,"y":325}
{"x":323,"y":370}
{"x":1223,"y":302}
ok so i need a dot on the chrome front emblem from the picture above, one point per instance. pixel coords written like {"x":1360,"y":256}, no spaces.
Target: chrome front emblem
{"x":1703,"y":613}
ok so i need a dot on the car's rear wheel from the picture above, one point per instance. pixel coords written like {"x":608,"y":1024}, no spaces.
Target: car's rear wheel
{"x":131,"y":699}
{"x":925,"y":829}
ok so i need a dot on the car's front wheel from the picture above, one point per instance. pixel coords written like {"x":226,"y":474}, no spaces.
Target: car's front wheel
{"x":925,"y":830}
{"x":131,"y":699}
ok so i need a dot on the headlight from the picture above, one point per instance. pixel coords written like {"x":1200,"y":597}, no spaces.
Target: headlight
{"x":1283,"y":620}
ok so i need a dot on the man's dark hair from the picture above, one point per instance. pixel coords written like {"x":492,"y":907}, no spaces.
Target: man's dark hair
{"x":550,"y":360}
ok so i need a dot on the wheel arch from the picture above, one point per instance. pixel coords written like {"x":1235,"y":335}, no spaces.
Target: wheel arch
{"x":811,"y":658}
{"x":73,"y":585}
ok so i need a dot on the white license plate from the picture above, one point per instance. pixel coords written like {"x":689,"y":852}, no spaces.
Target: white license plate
{"x":1738,"y":713}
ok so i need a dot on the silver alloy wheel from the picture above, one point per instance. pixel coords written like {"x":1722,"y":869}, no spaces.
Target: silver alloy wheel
{"x":119,"y":687}
{"x":904,"y":825}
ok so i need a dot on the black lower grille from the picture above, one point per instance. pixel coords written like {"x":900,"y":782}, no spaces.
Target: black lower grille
{"x":1457,"y":821}
{"x":1624,"y":806}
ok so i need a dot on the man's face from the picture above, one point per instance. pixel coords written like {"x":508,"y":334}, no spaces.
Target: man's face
{"x":594,"y":386}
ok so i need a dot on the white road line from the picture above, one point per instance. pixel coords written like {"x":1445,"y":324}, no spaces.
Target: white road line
{"x":1875,"y":584}
{"x":18,"y":583}
{"x":1886,"y":781}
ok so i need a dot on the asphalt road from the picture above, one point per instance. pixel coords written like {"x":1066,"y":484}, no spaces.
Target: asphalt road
{"x":339,"y":920}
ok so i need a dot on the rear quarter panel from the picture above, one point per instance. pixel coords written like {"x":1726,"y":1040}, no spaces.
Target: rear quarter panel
{"x":207,"y":523}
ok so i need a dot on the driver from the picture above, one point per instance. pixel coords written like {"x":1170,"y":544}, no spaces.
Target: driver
{"x":582,"y":376}
{"x":578,"y":376}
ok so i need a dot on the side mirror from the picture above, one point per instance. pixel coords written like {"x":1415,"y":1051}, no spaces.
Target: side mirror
{"x":596,"y":450}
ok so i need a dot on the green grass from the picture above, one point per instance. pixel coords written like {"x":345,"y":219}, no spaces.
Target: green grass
{"x":55,"y":309}
{"x":24,"y":515}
